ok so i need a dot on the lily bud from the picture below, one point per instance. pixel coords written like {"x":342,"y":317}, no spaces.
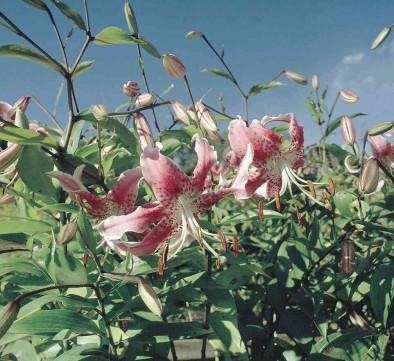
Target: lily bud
{"x":173,"y":66}
{"x":9,"y":155}
{"x":348,"y":132}
{"x":295,"y":77}
{"x":384,"y":33}
{"x":348,"y":257}
{"x":348,"y":96}
{"x":205,"y":117}
{"x":193,"y":35}
{"x":67,"y":233}
{"x":143,"y":130}
{"x":149,"y":297}
{"x":369,"y":177}
{"x":144,"y":99}
{"x":6,"y":198}
{"x":8,"y":315}
{"x":131,"y":88}
{"x":180,"y":112}
{"x":315,"y":82}
{"x":99,"y":111}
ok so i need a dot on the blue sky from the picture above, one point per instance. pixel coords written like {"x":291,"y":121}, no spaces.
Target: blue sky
{"x":260,"y":38}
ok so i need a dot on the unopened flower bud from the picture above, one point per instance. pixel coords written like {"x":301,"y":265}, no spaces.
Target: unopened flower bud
{"x":369,"y":177}
{"x":9,"y":155}
{"x":8,"y":315}
{"x":193,"y":35}
{"x":205,"y":117}
{"x":381,"y":37}
{"x":348,"y":96}
{"x":143,"y":130}
{"x":144,"y":99}
{"x":180,"y":112}
{"x":67,"y":233}
{"x":315,"y":82}
{"x":173,"y":66}
{"x":131,"y":88}
{"x":149,"y":296}
{"x":348,"y":131}
{"x":348,"y":257}
{"x":295,"y":77}
{"x":6,"y":198}
{"x":99,"y":111}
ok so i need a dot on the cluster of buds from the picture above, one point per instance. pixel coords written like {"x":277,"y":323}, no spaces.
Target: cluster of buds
{"x":131,"y":88}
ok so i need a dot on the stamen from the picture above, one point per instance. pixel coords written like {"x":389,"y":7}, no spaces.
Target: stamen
{"x":223,"y":240}
{"x":277,"y":202}
{"x":312,"y":189}
{"x":235,"y":246}
{"x":331,"y":186}
{"x":261,"y":210}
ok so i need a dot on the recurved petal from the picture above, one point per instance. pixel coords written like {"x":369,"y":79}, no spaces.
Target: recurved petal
{"x":271,"y":186}
{"x":125,"y":191}
{"x":70,"y":183}
{"x":239,"y":136}
{"x":138,"y":221}
{"x":265,"y":141}
{"x":164,"y":176}
{"x":5,"y":109}
{"x":207,"y":158}
{"x":164,"y":230}
{"x":380,"y":146}
{"x":205,"y":201}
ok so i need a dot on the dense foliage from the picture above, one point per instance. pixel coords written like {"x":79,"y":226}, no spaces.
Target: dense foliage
{"x":116,"y":240}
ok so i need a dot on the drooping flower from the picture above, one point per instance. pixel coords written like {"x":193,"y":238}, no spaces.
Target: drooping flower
{"x":180,"y":201}
{"x":382,"y":149}
{"x":274,"y":158}
{"x":119,"y":200}
{"x":8,"y":111}
{"x":131,"y":88}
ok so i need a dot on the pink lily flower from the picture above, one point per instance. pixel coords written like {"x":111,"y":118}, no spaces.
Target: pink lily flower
{"x":382,"y":149}
{"x":119,"y":200}
{"x":8,"y":111}
{"x":180,"y":201}
{"x":274,"y":158}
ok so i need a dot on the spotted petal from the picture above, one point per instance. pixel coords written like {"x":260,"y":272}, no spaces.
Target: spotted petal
{"x":239,"y":136}
{"x":138,"y":221}
{"x":125,"y":191}
{"x":207,"y":158}
{"x":167,"y":180}
{"x":164,"y":230}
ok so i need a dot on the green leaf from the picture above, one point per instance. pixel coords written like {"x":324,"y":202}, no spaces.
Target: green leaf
{"x":336,"y":122}
{"x":39,"y":4}
{"x":71,"y":13}
{"x":343,"y":201}
{"x":88,"y":352}
{"x":25,"y":53}
{"x":113,"y":35}
{"x":380,"y":128}
{"x":23,"y":226}
{"x":26,"y":137}
{"x":82,"y":67}
{"x":35,"y":176}
{"x":53,"y":321}
{"x":258,"y":88}
{"x":130,"y":18}
{"x":218,"y":72}
{"x":336,"y":150}
{"x":150,"y":48}
{"x":127,"y":137}
{"x":21,"y":265}
{"x":382,"y":292}
{"x":86,"y":231}
{"x":64,"y":268}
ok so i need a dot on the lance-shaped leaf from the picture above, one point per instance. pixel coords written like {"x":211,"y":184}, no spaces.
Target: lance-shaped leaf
{"x":218,"y":72}
{"x":130,"y":17}
{"x":258,"y":88}
{"x":25,"y":53}
{"x":113,"y":35}
{"x":380,"y":128}
{"x":26,"y":137}
{"x":149,"y":47}
{"x":82,"y":67}
{"x":39,"y":4}
{"x":149,"y":296}
{"x":71,"y":13}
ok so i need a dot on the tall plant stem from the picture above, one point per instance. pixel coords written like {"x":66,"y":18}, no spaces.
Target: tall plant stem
{"x":142,"y":68}
{"x":232,"y":76}
{"x":207,"y":309}
{"x":107,"y":323}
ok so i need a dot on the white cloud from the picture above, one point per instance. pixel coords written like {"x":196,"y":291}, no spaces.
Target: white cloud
{"x":353,"y":58}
